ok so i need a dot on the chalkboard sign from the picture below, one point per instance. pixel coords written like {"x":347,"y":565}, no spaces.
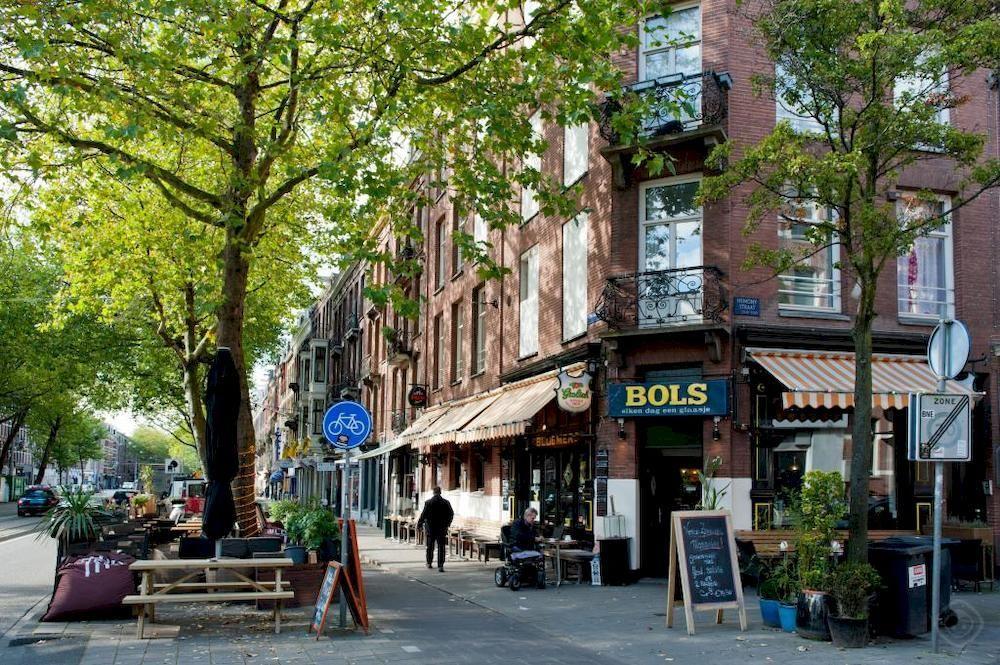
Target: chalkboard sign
{"x":331,"y":580}
{"x":702,"y":543}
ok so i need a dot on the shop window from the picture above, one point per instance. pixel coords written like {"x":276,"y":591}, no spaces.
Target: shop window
{"x":457,"y":341}
{"x":924,"y":274}
{"x":458,"y":472}
{"x":477,"y":476}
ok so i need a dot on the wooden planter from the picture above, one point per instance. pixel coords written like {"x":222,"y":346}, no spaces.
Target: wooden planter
{"x":305,"y":580}
{"x":983,"y":533}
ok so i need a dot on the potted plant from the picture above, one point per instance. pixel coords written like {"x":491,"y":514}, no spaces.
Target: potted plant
{"x":851,"y":585}
{"x":295,"y":530}
{"x":817,"y":509}
{"x":280,"y":511}
{"x":954,"y":527}
{"x":786,"y":588}
{"x":74,"y":520}
{"x":319,"y":532}
{"x":139,"y":502}
{"x":769,"y":600}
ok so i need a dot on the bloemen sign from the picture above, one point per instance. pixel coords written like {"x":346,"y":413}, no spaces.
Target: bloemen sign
{"x":669,"y":398}
{"x":573,"y":393}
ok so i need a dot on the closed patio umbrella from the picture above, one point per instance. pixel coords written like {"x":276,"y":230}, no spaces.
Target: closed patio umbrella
{"x":222,"y":406}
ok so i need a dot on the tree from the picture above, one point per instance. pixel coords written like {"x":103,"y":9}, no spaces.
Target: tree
{"x":233,"y":109}
{"x":874,"y":77}
{"x":153,"y":445}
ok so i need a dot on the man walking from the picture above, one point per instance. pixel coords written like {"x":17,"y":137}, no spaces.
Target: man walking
{"x":435,"y":519}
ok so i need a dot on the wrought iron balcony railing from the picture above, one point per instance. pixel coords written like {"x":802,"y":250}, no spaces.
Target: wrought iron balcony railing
{"x":398,"y":421}
{"x":663,"y":298}
{"x":676,"y":104}
{"x":399,"y":347}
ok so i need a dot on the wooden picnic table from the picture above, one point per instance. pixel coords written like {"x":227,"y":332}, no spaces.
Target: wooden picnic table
{"x":183,"y":591}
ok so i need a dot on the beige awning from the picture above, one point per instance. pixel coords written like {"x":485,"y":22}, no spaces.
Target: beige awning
{"x":422,"y":422}
{"x":444,"y":429}
{"x":512,"y":411}
{"x":825,"y":379}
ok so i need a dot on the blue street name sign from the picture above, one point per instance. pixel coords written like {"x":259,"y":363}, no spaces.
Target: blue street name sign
{"x":347,"y":425}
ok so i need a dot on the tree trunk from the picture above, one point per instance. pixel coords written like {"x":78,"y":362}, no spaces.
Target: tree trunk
{"x":47,"y":450}
{"x":16,"y":423}
{"x":230,"y":335}
{"x":861,"y":430}
{"x":196,"y":408}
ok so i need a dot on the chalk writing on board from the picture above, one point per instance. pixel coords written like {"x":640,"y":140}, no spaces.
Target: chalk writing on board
{"x":708,"y":561}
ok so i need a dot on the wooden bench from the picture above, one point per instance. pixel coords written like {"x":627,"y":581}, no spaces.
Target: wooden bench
{"x":767,"y":544}
{"x":151,"y":594}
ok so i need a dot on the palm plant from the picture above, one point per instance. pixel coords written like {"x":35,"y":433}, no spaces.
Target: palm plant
{"x":72,"y":520}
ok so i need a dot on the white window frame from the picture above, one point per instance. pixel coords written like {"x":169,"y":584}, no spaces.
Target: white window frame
{"x":944,"y":231}
{"x":529,"y":197}
{"x":479,"y":329}
{"x":835,"y":280}
{"x":576,"y":139}
{"x":458,"y":341}
{"x":801,"y":123}
{"x":528,"y":303}
{"x":944,"y":85}
{"x":480,"y":230}
{"x":574,"y":278}
{"x":643,"y":51}
{"x":441,"y":229}
{"x":644,"y":222}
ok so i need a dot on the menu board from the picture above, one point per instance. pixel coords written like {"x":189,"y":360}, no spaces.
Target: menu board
{"x":703,"y":544}
{"x":331,"y":580}
{"x":601,"y":467}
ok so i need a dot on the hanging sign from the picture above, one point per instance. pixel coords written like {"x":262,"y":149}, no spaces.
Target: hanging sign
{"x":657,"y":398}
{"x":417,"y":396}
{"x":573,"y":392}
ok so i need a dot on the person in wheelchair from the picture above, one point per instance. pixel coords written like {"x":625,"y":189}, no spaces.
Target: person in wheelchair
{"x":523,"y":562}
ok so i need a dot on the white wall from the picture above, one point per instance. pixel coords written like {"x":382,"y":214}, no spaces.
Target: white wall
{"x":623,"y":493}
{"x":477,"y":505}
{"x":737,"y":500}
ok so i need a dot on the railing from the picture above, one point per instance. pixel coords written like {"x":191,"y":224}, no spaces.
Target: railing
{"x":353,"y":327}
{"x":663,"y":298}
{"x":925,"y":301}
{"x":398,"y":421}
{"x":399,"y":347}
{"x":676,"y":104}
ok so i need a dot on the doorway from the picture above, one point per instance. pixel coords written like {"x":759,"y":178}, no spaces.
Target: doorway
{"x":670,"y":459}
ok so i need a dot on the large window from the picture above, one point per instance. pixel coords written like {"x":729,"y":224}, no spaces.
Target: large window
{"x":814,"y":282}
{"x":479,"y":329}
{"x":795,"y":107}
{"x":457,"y":341}
{"x":438,"y":352}
{"x":924,"y":276}
{"x":922,"y":90}
{"x":575,"y":152}
{"x":480,"y":230}
{"x":440,"y":238}
{"x":574,"y":271}
{"x":456,"y":250}
{"x":671,"y":44}
{"x":529,"y":200}
{"x":528,"y":312}
{"x":319,"y":364}
{"x":317,"y":419}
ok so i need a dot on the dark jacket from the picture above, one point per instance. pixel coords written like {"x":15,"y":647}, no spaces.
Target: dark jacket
{"x":437,"y":514}
{"x":522,"y":535}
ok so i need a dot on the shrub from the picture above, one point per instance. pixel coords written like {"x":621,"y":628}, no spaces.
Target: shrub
{"x":851,"y":584}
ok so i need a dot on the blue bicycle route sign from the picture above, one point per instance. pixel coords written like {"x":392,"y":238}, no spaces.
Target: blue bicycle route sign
{"x":347,"y":425}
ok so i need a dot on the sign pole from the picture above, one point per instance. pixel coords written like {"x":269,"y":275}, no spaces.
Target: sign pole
{"x":344,"y":543}
{"x":939,"y":499}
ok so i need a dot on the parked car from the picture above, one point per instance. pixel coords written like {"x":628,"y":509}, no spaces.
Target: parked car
{"x":37,"y":499}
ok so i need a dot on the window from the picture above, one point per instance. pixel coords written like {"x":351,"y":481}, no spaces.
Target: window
{"x":529,"y":8}
{"x":574,"y":275}
{"x":799,"y":115}
{"x":438,"y":352}
{"x":671,"y":44}
{"x":319,"y":364}
{"x":922,"y":89}
{"x":457,"y":473}
{"x":924,"y":276}
{"x":439,"y":240}
{"x":814,"y":282}
{"x":479,"y":329}
{"x":528,"y":312}
{"x":480,"y":229}
{"x":575,"y":152}
{"x":456,"y":250}
{"x":477,"y":477}
{"x":529,"y":202}
{"x":303,"y":423}
{"x":457,"y":343}
{"x":317,"y":424}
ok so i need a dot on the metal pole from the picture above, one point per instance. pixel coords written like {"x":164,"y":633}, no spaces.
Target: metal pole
{"x":343,"y":532}
{"x":939,"y":497}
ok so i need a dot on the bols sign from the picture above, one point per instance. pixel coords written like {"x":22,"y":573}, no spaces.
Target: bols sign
{"x":658,"y":398}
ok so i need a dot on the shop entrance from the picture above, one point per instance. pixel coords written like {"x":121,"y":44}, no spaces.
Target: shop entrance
{"x":670,"y":459}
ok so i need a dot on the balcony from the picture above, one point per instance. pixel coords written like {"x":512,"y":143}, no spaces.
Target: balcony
{"x":399,"y":347}
{"x":663,"y":299}
{"x":336,"y":348}
{"x":672,"y":109}
{"x":407,"y":264}
{"x":353,"y":328}
{"x":398,"y":423}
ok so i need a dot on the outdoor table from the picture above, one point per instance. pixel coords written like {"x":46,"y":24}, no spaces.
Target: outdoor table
{"x":151,"y":593}
{"x":557,"y":545}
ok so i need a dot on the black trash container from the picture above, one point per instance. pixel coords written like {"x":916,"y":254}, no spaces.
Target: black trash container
{"x":947,"y":545}
{"x":903,"y":602}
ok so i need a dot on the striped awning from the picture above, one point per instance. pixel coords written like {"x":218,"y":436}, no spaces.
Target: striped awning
{"x":512,"y":411}
{"x":825,"y":379}
{"x":445,"y":428}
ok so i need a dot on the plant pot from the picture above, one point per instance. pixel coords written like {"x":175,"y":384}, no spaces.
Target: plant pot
{"x":297,"y":553}
{"x":329,"y":550}
{"x":848,"y":633}
{"x":984,"y":534}
{"x":811,"y":613}
{"x":786,"y":616}
{"x":769,"y":612}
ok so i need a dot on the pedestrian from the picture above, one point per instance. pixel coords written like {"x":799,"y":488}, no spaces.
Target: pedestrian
{"x":435,"y":519}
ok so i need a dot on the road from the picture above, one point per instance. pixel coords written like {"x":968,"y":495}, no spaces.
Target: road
{"x":27,"y":566}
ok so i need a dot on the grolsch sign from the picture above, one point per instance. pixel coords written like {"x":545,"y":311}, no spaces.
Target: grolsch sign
{"x":709,"y":397}
{"x":418,"y":396}
{"x":573,"y":391}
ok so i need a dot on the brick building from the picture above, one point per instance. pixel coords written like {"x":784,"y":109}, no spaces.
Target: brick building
{"x":691,"y":357}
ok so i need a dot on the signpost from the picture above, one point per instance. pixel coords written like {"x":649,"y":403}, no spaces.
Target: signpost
{"x":346,"y":426}
{"x":940,"y":431}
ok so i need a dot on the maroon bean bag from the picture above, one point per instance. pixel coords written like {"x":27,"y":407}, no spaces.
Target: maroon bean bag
{"x":91,"y":586}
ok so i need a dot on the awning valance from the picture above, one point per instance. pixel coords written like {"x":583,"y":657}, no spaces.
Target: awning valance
{"x":512,"y":411}
{"x":825,"y":379}
{"x":444,"y":429}
{"x":414,"y":429}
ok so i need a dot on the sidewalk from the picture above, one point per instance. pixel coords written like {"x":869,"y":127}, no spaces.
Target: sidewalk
{"x":628,"y":623}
